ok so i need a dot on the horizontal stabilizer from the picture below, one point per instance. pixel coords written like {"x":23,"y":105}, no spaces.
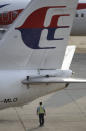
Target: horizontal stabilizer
{"x":68,"y":57}
{"x":53,"y":80}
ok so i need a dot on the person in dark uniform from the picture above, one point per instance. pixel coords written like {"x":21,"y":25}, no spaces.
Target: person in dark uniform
{"x":41,"y":112}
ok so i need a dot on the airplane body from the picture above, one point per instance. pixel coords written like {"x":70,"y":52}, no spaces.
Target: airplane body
{"x":34,"y":56}
{"x":14,"y":93}
{"x":79,"y":23}
{"x":9,"y":11}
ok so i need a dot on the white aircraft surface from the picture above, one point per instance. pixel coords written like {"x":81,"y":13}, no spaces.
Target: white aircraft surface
{"x":10,"y":9}
{"x":33,"y":61}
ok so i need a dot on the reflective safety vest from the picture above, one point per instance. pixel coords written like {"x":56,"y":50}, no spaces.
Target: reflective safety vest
{"x":41,"y":110}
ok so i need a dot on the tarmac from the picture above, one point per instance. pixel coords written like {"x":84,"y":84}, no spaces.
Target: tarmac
{"x":80,"y":42}
{"x":65,"y":109}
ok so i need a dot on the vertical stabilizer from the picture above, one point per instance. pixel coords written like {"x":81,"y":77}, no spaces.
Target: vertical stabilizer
{"x":39,"y":36}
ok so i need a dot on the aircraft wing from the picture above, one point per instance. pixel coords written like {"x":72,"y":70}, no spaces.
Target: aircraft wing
{"x":53,"y":80}
{"x":39,"y":36}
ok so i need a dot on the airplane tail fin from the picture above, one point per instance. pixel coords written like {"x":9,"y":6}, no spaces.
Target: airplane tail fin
{"x":68,"y":57}
{"x":39,"y":36}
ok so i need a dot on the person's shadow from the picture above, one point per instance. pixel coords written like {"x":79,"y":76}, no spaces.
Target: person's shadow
{"x":33,"y":129}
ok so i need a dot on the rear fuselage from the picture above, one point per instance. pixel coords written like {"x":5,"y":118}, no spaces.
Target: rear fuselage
{"x":14,"y":93}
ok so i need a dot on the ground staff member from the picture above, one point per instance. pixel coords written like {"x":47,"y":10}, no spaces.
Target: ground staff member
{"x":41,"y":112}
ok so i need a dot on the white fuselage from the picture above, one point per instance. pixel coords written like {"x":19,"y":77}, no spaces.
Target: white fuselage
{"x":79,"y":23}
{"x":14,"y":93}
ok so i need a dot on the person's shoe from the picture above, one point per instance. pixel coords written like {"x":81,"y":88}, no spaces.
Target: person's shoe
{"x":42,"y":125}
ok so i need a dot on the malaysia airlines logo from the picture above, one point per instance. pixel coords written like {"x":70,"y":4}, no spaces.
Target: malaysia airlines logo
{"x":40,"y":21}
